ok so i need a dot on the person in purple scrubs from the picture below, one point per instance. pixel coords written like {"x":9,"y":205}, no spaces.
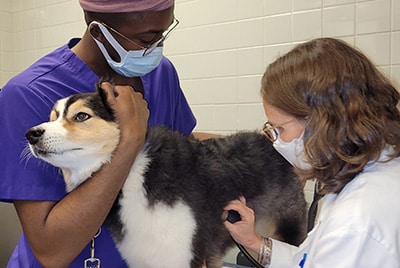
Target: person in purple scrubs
{"x":123,"y":42}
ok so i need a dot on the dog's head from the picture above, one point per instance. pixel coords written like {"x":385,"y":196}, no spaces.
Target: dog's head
{"x":81,"y":135}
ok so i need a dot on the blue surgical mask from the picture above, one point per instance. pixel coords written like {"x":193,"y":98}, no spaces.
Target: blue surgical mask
{"x":133,"y":63}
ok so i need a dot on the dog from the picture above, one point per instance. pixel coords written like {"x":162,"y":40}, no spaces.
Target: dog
{"x":168,"y":213}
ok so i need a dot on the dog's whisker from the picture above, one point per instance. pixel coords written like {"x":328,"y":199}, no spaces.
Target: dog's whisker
{"x":26,"y":154}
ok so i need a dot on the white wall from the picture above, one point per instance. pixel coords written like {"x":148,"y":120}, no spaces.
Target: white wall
{"x":32,"y":28}
{"x":221,"y":47}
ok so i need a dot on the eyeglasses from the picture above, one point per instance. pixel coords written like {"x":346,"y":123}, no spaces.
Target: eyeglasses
{"x":271,"y":132}
{"x":150,"y":47}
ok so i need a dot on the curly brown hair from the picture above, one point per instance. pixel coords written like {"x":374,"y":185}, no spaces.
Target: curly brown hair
{"x":349,"y":106}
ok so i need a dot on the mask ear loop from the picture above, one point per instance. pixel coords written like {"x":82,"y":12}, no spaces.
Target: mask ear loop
{"x":113,"y":42}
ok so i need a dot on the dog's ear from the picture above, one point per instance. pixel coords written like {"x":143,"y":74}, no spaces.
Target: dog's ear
{"x":103,"y":97}
{"x":105,"y":79}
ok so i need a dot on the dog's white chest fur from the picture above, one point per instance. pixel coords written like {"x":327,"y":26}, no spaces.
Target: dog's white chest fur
{"x":156,"y":236}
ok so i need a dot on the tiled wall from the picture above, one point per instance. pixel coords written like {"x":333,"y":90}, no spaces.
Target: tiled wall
{"x":6,"y":49}
{"x":221,"y":47}
{"x":31,"y":28}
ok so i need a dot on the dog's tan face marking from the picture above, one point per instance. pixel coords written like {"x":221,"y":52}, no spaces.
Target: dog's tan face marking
{"x":75,"y":133}
{"x":84,"y":127}
{"x":54,"y":114}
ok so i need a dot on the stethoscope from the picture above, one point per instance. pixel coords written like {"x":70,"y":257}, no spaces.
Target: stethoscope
{"x":248,"y":256}
{"x":233,"y":216}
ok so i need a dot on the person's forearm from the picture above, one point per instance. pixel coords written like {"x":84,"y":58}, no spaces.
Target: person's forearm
{"x":58,"y":232}
{"x":253,"y":243}
{"x":205,"y":135}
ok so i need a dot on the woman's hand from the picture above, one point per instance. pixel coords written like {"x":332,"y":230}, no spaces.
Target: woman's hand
{"x":243,"y":231}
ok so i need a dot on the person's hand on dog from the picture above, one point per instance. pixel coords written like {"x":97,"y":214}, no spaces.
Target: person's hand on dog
{"x":243,"y":231}
{"x":131,"y":111}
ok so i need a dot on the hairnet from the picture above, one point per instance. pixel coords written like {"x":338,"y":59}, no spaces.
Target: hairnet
{"x":120,"y":6}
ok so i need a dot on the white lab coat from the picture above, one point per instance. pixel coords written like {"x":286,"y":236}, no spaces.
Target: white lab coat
{"x":357,"y":228}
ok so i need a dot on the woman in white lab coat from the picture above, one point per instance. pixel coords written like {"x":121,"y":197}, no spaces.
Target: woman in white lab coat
{"x":334,"y":116}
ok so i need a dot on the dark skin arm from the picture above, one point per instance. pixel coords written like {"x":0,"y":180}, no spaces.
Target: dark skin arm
{"x":205,"y":135}
{"x":58,"y":231}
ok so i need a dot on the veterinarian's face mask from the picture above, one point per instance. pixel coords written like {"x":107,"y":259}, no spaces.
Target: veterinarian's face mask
{"x":133,"y":63}
{"x":292,"y":151}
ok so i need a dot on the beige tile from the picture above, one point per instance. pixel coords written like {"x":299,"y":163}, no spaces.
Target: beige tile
{"x":395,"y":48}
{"x":373,"y":17}
{"x":339,"y":21}
{"x":375,"y":46}
{"x":396,"y":15}
{"x":273,"y":7}
{"x":278,"y":29}
{"x":307,"y":25}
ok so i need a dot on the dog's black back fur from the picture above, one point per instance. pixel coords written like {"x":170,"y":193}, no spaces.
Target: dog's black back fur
{"x":208,"y":174}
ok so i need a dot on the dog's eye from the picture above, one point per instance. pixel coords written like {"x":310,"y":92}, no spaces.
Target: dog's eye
{"x":80,"y":117}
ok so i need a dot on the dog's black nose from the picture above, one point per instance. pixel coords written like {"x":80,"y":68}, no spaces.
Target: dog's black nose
{"x":33,"y":135}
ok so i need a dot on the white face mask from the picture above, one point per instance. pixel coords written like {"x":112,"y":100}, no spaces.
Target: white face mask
{"x":133,"y":63}
{"x":292,"y":151}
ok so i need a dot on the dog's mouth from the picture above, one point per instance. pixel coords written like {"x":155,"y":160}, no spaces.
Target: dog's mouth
{"x":46,"y":153}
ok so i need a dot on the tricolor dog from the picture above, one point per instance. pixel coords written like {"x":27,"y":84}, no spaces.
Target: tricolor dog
{"x":168,"y":213}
